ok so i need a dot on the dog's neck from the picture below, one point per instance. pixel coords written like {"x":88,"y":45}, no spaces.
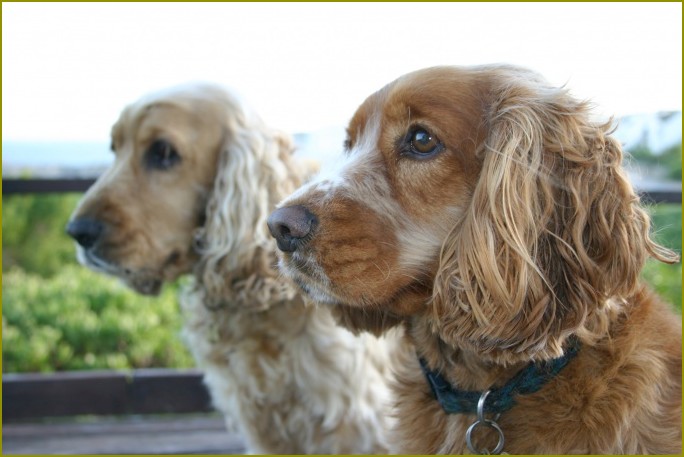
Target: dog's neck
{"x":497,"y":400}
{"x":460,"y":373}
{"x":461,"y":367}
{"x":469,"y":369}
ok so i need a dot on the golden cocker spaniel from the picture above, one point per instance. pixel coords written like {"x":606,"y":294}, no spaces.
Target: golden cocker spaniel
{"x":195,"y":176}
{"x":483,"y":210}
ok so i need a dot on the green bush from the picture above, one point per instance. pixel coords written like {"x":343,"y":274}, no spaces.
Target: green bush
{"x":666,"y":279}
{"x":670,"y":159}
{"x":33,"y":236}
{"x":78,"y":319}
{"x":667,"y":225}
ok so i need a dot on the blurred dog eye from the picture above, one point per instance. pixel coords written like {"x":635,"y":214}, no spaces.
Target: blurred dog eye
{"x":423,"y":143}
{"x":161,"y":155}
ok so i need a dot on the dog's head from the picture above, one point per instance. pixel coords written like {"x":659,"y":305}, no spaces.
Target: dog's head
{"x":188,"y":182}
{"x":482,"y":199}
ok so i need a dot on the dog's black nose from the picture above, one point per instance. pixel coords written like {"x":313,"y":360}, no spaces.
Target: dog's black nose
{"x":291,"y":226}
{"x":85,"y":231}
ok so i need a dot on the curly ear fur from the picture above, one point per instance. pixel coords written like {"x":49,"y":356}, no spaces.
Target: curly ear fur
{"x":553,"y":234}
{"x":254,"y":172}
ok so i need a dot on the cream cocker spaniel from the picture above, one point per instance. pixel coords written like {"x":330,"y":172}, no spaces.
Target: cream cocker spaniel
{"x":194,"y":178}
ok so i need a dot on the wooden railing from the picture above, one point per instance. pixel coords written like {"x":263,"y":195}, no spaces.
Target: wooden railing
{"x":25,"y":186}
{"x":41,"y":186}
{"x":104,"y":393}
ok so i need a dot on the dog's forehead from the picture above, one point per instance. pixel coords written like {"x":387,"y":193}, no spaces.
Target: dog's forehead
{"x":190,"y":104}
{"x":135,"y":120}
{"x":432,"y":92}
{"x":190,"y":120}
{"x":368,"y":109}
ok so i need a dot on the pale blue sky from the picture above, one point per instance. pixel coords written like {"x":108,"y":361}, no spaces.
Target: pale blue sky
{"x":68,"y":69}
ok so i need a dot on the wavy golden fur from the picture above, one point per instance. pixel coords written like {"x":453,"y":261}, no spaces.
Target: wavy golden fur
{"x":486,"y":212}
{"x":194,"y":179}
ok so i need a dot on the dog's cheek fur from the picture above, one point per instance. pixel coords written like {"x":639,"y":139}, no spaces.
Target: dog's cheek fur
{"x":364,"y":263}
{"x":357,"y":252}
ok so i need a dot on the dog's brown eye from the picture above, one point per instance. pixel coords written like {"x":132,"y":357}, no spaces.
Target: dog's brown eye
{"x":423,"y":143}
{"x":161,"y":155}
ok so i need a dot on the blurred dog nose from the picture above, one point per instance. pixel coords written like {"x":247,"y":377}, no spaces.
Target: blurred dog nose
{"x":85,"y":231}
{"x":291,"y":226}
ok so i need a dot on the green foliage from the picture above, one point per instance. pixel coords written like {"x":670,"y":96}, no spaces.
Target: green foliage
{"x":667,"y":225}
{"x":643,"y":155}
{"x":78,"y":319}
{"x":666,"y":279}
{"x":669,"y":160}
{"x":33,"y":235}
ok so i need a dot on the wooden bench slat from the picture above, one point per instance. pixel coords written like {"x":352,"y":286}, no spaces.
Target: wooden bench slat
{"x":132,"y":435}
{"x":153,"y":391}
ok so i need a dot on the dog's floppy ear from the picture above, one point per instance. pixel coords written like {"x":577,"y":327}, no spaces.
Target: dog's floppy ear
{"x":254,"y":172}
{"x":554,"y":230}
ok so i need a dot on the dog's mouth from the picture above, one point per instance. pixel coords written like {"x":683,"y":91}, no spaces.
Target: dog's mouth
{"x":144,"y":281}
{"x":309,"y":278}
{"x":406,"y":299}
{"x":90,"y":259}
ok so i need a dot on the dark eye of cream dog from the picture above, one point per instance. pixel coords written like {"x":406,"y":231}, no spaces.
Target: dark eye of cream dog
{"x":161,"y":155}
{"x":423,"y":144}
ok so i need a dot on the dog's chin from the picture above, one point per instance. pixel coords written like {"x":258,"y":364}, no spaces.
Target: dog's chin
{"x":143,"y":281}
{"x":317,"y":292}
{"x":145,"y":285}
